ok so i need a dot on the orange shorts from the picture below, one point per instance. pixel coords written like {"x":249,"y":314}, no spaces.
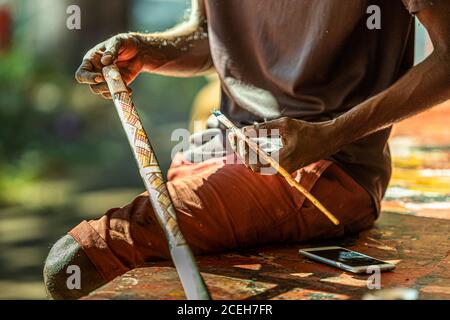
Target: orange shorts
{"x":226,"y":206}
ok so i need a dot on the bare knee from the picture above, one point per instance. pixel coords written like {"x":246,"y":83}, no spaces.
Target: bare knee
{"x":68,"y":272}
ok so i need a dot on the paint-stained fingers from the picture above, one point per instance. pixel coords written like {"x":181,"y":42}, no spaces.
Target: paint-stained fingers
{"x":103,"y":88}
{"x":112,"y":50}
{"x":86,"y":74}
{"x":99,"y":88}
{"x":107,"y":94}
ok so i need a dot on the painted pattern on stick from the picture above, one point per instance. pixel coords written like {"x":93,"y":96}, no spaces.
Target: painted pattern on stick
{"x":147,"y":162}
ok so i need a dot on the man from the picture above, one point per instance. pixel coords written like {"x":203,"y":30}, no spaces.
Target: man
{"x":316,"y":71}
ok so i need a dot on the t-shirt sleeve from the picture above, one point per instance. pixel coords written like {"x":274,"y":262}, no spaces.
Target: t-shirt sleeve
{"x":415,"y":6}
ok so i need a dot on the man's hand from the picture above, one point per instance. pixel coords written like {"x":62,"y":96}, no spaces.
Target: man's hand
{"x":182,"y":51}
{"x":303,"y":143}
{"x":124,"y":49}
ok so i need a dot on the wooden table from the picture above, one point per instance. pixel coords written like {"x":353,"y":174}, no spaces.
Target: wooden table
{"x":418,"y":246}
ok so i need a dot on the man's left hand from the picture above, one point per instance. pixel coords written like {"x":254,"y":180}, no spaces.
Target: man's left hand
{"x":303,"y":143}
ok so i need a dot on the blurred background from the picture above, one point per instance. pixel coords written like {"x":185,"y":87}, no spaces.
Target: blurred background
{"x":63,"y":155}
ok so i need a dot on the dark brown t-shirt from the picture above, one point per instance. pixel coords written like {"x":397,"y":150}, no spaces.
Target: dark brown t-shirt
{"x":313,"y":60}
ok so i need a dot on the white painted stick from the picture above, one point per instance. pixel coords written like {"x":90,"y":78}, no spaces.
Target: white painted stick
{"x":182,"y":257}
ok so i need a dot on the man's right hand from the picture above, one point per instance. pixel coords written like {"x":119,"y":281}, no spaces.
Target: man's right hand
{"x":124,"y":49}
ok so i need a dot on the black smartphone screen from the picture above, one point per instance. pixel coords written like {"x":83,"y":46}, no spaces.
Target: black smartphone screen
{"x":347,"y":257}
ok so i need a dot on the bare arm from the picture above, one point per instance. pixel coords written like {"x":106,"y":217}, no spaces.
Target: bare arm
{"x":182,"y":51}
{"x":423,"y":87}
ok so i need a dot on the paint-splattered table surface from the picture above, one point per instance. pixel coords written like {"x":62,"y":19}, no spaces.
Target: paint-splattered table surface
{"x":418,"y":246}
{"x":413,"y":233}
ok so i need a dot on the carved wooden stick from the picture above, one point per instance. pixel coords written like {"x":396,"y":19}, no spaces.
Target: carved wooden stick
{"x":183,"y":259}
{"x":274,"y":164}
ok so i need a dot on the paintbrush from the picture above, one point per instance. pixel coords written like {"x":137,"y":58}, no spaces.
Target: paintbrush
{"x":274,"y":164}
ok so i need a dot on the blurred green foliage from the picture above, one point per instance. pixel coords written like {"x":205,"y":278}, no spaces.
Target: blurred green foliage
{"x":53,"y":128}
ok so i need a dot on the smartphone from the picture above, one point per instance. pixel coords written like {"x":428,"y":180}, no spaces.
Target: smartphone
{"x":345,"y":259}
